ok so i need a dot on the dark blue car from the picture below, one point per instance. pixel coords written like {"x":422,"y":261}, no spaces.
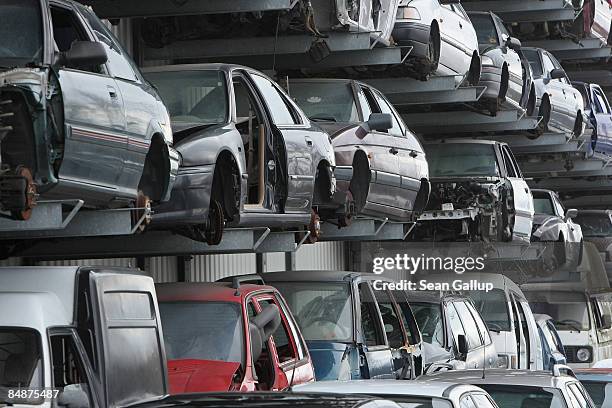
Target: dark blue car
{"x":355,"y":328}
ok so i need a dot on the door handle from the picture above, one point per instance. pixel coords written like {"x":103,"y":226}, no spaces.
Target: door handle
{"x":112,"y":91}
{"x":308,"y":141}
{"x":460,"y":25}
{"x":393,"y":150}
{"x":527,"y":190}
{"x":414,"y":154}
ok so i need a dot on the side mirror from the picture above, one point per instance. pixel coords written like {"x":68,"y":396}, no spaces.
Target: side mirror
{"x":571,"y":213}
{"x":606,"y":322}
{"x":261,"y":328}
{"x":462,"y":347}
{"x":514,"y":43}
{"x":381,"y":122}
{"x":557,"y":73}
{"x":74,"y":396}
{"x":84,"y":54}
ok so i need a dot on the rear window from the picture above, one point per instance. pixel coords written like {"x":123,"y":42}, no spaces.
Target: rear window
{"x":461,"y":160}
{"x":485,"y":29}
{"x":534,"y":61}
{"x":515,"y":396}
{"x":493,"y":307}
{"x":20,"y":363}
{"x":429,"y":319}
{"x":569,"y":310}
{"x":322,"y":310}
{"x":203,"y":331}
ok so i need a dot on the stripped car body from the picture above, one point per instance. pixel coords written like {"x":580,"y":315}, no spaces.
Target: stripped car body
{"x":505,"y":70}
{"x":230,"y":337}
{"x":554,"y":224}
{"x":77,"y":120}
{"x":478,"y":194}
{"x":251,"y":157}
{"x":442,"y":38}
{"x":597,"y":109}
{"x":381,"y":165}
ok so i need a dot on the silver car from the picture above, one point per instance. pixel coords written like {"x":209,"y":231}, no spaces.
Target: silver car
{"x":77,"y":119}
{"x":522,"y":388}
{"x":408,"y":393}
{"x":558,"y":103}
{"x":251,"y":157}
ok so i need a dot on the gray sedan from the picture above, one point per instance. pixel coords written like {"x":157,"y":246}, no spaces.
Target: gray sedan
{"x":251,"y":157}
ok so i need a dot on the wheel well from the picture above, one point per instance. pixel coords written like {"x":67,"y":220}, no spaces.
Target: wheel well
{"x":505,"y":81}
{"x":435,"y":30}
{"x":475,"y":69}
{"x":226,"y":171}
{"x":531,"y":102}
{"x":360,"y":182}
{"x":322,"y":187}
{"x":156,"y":171}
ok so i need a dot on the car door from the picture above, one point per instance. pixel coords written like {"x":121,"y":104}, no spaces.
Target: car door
{"x":554,"y":88}
{"x":603,"y":307}
{"x":383,"y":154}
{"x":520,"y":335}
{"x":573,"y":98}
{"x":489,"y":353}
{"x":298,"y":143}
{"x":410,"y":156}
{"x":603,"y":117}
{"x":454,"y":323}
{"x":454,"y":59}
{"x":142,"y":108}
{"x":512,"y":58}
{"x":375,"y":354}
{"x":477,"y":355}
{"x":523,"y":200}
{"x":95,"y":128}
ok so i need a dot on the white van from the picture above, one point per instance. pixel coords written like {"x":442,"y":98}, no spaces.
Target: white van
{"x":509,"y":318}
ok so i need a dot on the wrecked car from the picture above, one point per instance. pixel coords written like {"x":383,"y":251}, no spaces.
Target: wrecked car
{"x":250,"y":156}
{"x":478,"y":193}
{"x":230,"y":337}
{"x":77,"y":119}
{"x":597,"y":109}
{"x":380,"y":162}
{"x":554,"y":224}
{"x":505,"y":70}
{"x":558,"y":103}
{"x":315,"y":17}
{"x":442,"y":38}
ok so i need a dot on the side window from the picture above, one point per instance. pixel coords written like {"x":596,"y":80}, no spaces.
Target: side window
{"x":502,"y":28}
{"x":410,"y":324}
{"x":67,"y":29}
{"x":548,"y":64}
{"x":522,"y":307}
{"x":366,"y":109}
{"x":509,"y":163}
{"x":466,"y":402}
{"x":482,"y":327}
{"x":397,"y":129}
{"x":581,"y":399}
{"x":601,"y":102}
{"x":370,"y":323}
{"x":559,"y":207}
{"x":281,"y":110}
{"x":371,"y":101}
{"x":391,"y":320}
{"x":292,"y":327}
{"x":469,"y":324}
{"x":282,"y":341}
{"x":483,"y":401}
{"x":455,"y":322}
{"x":68,"y":371}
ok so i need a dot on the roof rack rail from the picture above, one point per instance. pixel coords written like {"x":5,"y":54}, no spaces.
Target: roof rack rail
{"x":237,"y":280}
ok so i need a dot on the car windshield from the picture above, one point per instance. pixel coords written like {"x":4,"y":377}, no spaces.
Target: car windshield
{"x":534,"y":61}
{"x":323,"y":310}
{"x":485,"y":29}
{"x":429,"y":319}
{"x":203,"y":331}
{"x":568,"y":309}
{"x":493,"y":307}
{"x":543,"y":204}
{"x":598,"y":390}
{"x":517,"y":396}
{"x":463,"y":160}
{"x":594,"y":224}
{"x":194,"y":97}
{"x":21,"y":33}
{"x":409,"y":401}
{"x":325,"y":101}
{"x":20,"y":363}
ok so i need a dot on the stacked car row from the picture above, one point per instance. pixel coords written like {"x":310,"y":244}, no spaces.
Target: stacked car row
{"x":94,"y":336}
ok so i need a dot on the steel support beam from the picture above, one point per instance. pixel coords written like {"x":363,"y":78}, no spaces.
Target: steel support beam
{"x":561,"y":168}
{"x":459,"y":95}
{"x":366,"y":229}
{"x":519,"y":11}
{"x":590,"y":48}
{"x":577,"y":184}
{"x":157,"y":8}
{"x":590,"y":201}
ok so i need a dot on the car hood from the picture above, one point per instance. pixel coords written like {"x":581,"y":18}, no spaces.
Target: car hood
{"x":187,"y":376}
{"x":327,"y":358}
{"x":185,"y":131}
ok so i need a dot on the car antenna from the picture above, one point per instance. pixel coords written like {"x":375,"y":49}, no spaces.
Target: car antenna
{"x":484,"y":360}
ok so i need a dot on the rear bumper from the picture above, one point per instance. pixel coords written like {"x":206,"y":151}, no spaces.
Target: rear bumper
{"x":415,"y":35}
{"x":491,"y":78}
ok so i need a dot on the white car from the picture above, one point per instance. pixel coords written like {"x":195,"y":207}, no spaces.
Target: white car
{"x":408,"y":394}
{"x":442,"y":38}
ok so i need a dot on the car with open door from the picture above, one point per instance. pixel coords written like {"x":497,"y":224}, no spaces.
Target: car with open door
{"x":442,"y":40}
{"x":505,"y":70}
{"x":553,"y":352}
{"x":380,"y":163}
{"x":250,"y":156}
{"x":597,"y":109}
{"x":478,"y":193}
{"x":558,"y":103}
{"x":553,"y":224}
{"x":230,"y":337}
{"x":77,"y":119}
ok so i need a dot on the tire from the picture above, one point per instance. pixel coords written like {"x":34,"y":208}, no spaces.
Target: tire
{"x":544,"y":113}
{"x":577,"y":132}
{"x":433,"y":49}
{"x":215,"y":224}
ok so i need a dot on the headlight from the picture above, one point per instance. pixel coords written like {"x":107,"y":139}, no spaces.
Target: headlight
{"x":583,"y":355}
{"x":486,"y":60}
{"x":408,"y":13}
{"x":167,"y":131}
{"x":503,"y":361}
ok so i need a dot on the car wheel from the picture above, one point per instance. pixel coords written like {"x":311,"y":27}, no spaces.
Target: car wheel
{"x":559,"y":251}
{"x":473,"y":76}
{"x":544,"y":113}
{"x":577,"y":132}
{"x":433,"y":49}
{"x":345,"y":218}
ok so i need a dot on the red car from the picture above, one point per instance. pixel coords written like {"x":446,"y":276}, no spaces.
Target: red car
{"x":230,"y":337}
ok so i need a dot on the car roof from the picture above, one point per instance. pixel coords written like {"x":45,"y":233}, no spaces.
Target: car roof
{"x":207,"y":291}
{"x":439,"y":389}
{"x":542,"y":190}
{"x":525,"y":378}
{"x":463,"y":141}
{"x":577,"y":287}
{"x":422,"y":296}
{"x":319,"y":276}
{"x":217,"y":66}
